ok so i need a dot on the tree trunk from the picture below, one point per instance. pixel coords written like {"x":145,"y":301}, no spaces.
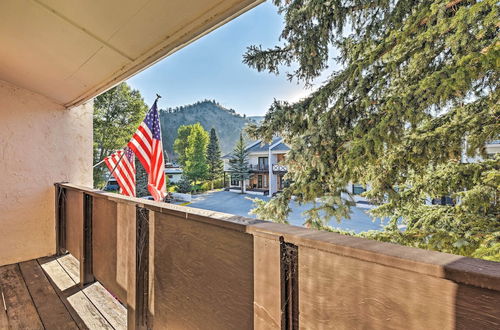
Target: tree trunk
{"x":242,"y":185}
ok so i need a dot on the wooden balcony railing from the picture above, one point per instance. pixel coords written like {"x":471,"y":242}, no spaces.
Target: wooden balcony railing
{"x":176,"y":267}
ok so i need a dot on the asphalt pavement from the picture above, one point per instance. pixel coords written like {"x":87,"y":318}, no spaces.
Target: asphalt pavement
{"x":241,"y":204}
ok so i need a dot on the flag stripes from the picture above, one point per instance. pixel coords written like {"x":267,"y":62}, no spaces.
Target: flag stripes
{"x":147,"y":146}
{"x":123,"y":168}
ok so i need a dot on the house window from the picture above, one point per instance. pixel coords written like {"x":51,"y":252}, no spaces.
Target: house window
{"x":280,"y":182}
{"x":263,"y":163}
{"x":259,"y":181}
{"x":358,"y":189}
{"x":445,"y":200}
{"x":235,"y":182}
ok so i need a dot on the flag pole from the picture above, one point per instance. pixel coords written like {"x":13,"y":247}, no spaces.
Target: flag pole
{"x":102,"y":161}
{"x":114,"y":168}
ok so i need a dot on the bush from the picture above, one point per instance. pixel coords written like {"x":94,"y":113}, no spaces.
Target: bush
{"x":184,"y":186}
{"x":199,"y":188}
{"x":205,"y":186}
{"x":218,"y":184}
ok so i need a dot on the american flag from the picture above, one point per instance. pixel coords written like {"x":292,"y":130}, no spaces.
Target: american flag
{"x":124,"y":172}
{"x":147,"y":146}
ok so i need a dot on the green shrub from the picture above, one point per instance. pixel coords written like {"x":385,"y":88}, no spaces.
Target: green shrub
{"x":184,"y":186}
{"x":217,"y":184}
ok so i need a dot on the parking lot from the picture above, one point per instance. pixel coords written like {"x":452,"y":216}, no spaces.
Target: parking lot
{"x":240,"y":204}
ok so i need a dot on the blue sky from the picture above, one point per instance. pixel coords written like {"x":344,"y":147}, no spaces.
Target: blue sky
{"x":212,"y":68}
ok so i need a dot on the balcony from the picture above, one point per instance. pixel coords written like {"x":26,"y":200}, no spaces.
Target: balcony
{"x":278,"y":168}
{"x":177,"y":267}
{"x":259,"y":168}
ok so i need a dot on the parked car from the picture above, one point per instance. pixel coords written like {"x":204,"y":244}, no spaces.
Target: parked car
{"x":112,"y":185}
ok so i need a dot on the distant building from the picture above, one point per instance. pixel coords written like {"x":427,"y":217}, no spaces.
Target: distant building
{"x":174,"y":174}
{"x":491,"y":148}
{"x":268,"y":171}
{"x":265,"y":166}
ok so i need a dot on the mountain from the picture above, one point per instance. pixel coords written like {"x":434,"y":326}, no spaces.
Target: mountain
{"x":257,"y":119}
{"x":227,"y":123}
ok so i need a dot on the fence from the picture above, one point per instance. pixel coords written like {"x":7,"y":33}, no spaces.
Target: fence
{"x":182,"y":268}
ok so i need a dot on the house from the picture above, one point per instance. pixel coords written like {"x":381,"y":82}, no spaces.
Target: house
{"x":65,"y":246}
{"x":266,"y":168}
{"x":267,"y":177}
{"x":174,"y":174}
{"x":491,"y":148}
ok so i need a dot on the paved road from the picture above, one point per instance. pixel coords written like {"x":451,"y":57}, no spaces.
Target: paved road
{"x":238,"y":204}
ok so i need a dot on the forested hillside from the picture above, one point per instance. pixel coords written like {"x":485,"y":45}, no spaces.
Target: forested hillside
{"x":227,"y":123}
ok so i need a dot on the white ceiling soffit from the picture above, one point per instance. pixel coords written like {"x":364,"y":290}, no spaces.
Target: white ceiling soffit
{"x":73,"y":50}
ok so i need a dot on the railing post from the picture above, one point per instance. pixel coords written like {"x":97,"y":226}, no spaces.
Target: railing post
{"x":142,"y":268}
{"x":289,"y":258}
{"x":86,"y":273}
{"x":60,"y":208}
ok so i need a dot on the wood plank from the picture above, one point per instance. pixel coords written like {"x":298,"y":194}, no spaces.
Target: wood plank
{"x":104,"y":238}
{"x":267,"y":283}
{"x":125,"y":215}
{"x":203,"y":275}
{"x":356,"y":294}
{"x":99,"y":306}
{"x":110,"y":308}
{"x":88,"y":312}
{"x":57,"y":275}
{"x":57,"y":271}
{"x":21,"y":311}
{"x":71,"y":265}
{"x":51,"y":309}
{"x":4,"y":321}
{"x":131,"y":273}
{"x":477,"y":308}
{"x":74,"y":223}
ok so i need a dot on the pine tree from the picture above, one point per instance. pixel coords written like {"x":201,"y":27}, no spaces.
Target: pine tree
{"x":184,"y":185}
{"x":196,"y":167}
{"x":238,"y":164}
{"x":416,"y":91}
{"x":141,"y":180}
{"x":215,"y":165}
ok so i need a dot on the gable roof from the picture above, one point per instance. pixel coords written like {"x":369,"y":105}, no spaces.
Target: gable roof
{"x":258,"y":147}
{"x":282,"y":146}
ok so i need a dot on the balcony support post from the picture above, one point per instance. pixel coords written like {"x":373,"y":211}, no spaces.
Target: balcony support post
{"x":60,"y":207}
{"x":86,"y":272}
{"x":142,"y":269}
{"x":289,"y":261}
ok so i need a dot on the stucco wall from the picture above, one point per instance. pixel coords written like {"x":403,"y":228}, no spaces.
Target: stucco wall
{"x":40,"y":143}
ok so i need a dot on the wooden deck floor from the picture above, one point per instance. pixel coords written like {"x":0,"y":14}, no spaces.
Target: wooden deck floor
{"x":44,"y":294}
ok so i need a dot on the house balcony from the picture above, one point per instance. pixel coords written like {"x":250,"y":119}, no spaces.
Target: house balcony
{"x":279,"y":168}
{"x":175,"y":267}
{"x":259,"y":168}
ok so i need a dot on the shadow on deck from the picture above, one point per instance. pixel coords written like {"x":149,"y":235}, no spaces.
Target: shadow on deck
{"x":45,"y":294}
